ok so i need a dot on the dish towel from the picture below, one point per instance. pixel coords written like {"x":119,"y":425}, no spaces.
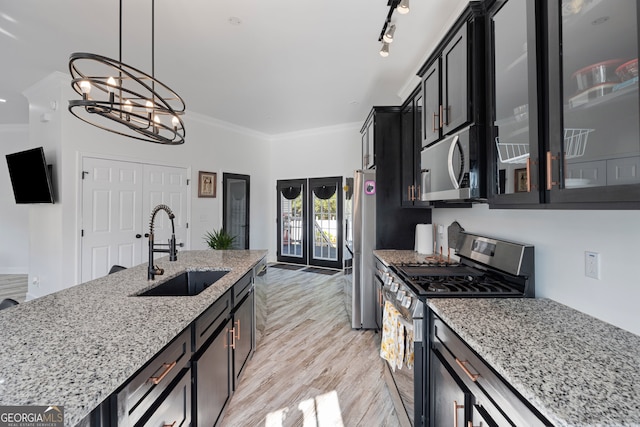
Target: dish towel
{"x":408,"y":354}
{"x":392,"y":346}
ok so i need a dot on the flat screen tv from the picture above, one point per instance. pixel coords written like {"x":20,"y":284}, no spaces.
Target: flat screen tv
{"x":30,"y":176}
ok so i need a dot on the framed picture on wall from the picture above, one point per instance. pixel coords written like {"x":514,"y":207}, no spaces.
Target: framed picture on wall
{"x":206,"y":184}
{"x":520,"y":180}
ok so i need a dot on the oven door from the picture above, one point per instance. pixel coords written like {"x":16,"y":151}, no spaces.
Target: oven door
{"x":405,"y":383}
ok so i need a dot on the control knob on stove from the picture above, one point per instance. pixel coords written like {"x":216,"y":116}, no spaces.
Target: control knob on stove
{"x":400,"y":295}
{"x":394,"y":286}
{"x":406,"y":301}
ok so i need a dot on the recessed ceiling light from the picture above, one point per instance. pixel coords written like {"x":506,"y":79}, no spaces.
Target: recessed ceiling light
{"x":3,"y":100}
{"x":600,"y":20}
{"x":234,"y":20}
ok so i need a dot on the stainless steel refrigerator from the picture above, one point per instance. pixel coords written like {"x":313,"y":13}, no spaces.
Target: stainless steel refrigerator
{"x":359,"y":291}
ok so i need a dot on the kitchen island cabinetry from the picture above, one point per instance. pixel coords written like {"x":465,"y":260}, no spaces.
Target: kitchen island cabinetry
{"x":119,"y":344}
{"x":243,"y":330}
{"x":565,"y":94}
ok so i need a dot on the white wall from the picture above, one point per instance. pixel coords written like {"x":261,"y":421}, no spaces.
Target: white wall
{"x":323,"y":152}
{"x":561,"y":237}
{"x":14,"y":219}
{"x":210,"y":146}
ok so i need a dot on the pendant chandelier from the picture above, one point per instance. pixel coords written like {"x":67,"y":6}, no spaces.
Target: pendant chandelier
{"x":124,"y":100}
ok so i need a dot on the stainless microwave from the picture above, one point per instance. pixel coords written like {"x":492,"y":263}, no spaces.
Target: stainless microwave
{"x":452,"y":168}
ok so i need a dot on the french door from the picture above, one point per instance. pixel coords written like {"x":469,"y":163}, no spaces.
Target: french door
{"x":310,"y":221}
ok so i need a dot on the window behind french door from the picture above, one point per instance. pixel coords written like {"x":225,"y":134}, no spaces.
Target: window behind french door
{"x":310,"y":221}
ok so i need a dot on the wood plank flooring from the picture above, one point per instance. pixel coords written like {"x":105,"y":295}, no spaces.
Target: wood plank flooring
{"x":311,"y":368}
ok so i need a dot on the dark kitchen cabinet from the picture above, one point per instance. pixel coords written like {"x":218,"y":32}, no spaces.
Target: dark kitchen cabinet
{"x":579,"y":121}
{"x":453,"y":77}
{"x":395,"y":225}
{"x":368,"y":147}
{"x":243,"y":325}
{"x":174,"y":409}
{"x":411,"y":140}
{"x":465,"y":390}
{"x":514,"y":136}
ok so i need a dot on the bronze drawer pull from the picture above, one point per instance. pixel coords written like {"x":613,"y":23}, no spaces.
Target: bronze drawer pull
{"x":238,"y":336}
{"x":463,"y":365}
{"x":170,"y":425}
{"x":168,"y":367}
{"x":550,"y":182}
{"x":455,"y":412}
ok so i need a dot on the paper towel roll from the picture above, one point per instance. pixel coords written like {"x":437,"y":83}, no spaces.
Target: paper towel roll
{"x":424,"y":239}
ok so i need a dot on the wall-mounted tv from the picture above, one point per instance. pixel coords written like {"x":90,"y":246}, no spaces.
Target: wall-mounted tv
{"x":30,"y":176}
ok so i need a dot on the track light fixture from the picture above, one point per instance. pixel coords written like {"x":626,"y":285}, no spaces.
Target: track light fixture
{"x":389,"y":29}
{"x":388,"y":35}
{"x":124,"y":100}
{"x":403,"y":7}
{"x":384,"y":52}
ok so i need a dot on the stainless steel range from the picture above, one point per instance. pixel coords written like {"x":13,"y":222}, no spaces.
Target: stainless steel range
{"x":488,"y":268}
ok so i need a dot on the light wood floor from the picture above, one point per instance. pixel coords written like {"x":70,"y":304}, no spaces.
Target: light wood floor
{"x":311,"y":368}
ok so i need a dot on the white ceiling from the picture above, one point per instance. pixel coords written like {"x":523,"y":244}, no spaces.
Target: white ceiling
{"x":290,"y":65}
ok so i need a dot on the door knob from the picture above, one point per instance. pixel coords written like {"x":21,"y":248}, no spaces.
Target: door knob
{"x":138,"y":236}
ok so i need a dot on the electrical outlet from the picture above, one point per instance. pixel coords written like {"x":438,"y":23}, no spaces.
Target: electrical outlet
{"x":592,"y":265}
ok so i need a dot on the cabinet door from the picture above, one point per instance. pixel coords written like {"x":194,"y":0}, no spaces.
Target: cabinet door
{"x":175,"y":408}
{"x":432,"y":114}
{"x":594,"y":107}
{"x":370,"y":144}
{"x":212,"y":371}
{"x":365,"y":149}
{"x":454,"y":90}
{"x":514,"y":136}
{"x":450,"y":401}
{"x":407,"y":172}
{"x":243,"y":330}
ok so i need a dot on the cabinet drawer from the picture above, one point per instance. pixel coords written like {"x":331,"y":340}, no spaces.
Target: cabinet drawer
{"x":242,"y":288}
{"x":175,"y":409}
{"x":209,"y":321}
{"x":142,"y":391}
{"x":492,"y":393}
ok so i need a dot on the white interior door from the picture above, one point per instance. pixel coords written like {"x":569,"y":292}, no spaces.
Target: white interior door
{"x":111,"y":213}
{"x":166,"y":185}
{"x":117,"y":199}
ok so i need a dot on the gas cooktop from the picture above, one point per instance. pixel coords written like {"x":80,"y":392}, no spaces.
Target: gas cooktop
{"x":487,"y":268}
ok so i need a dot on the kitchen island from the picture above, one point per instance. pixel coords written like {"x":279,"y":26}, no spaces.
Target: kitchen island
{"x":76,"y":347}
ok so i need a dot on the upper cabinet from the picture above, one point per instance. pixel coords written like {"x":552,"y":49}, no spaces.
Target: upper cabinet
{"x":368,"y":147}
{"x":411,"y":128}
{"x":565,"y":104}
{"x":594,"y":138}
{"x":453,"y":78}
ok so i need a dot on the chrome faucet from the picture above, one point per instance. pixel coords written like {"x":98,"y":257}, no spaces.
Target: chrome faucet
{"x":173,"y":252}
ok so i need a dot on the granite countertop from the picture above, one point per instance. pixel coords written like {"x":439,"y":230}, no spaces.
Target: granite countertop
{"x":76,"y":347}
{"x":575,"y":369}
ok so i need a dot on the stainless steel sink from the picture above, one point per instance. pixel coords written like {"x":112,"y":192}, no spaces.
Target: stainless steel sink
{"x":186,"y":284}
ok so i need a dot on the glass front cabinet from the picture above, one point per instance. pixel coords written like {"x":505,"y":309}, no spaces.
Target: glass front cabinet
{"x":566,"y":105}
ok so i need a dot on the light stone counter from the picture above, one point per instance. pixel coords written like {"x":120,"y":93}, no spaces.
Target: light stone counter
{"x":575,"y":369}
{"x":76,"y":347}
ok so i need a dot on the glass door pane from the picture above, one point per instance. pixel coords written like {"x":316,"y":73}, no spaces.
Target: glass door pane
{"x":292,"y":221}
{"x":600,"y":140}
{"x":325,"y":201}
{"x":514,"y":98}
{"x":236,"y":208}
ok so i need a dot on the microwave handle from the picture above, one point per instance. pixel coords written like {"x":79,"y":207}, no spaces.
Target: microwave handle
{"x":455,"y":180}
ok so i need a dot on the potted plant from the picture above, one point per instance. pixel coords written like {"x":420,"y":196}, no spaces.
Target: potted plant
{"x":219,"y":239}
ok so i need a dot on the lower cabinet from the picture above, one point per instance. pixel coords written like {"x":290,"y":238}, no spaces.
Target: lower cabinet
{"x":464,"y":390}
{"x":191,"y":381}
{"x":175,"y":409}
{"x":212,"y":379}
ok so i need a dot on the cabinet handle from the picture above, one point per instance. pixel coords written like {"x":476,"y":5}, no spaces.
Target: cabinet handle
{"x":550,"y":182}
{"x":440,"y":116}
{"x":455,"y":412}
{"x":169,"y":425}
{"x":233,"y":339}
{"x":413,"y":193}
{"x":463,"y":365}
{"x":168,"y":368}
{"x":238,"y":336}
{"x":409,"y":192}
{"x":419,"y":194}
{"x":528,"y":174}
{"x":434,"y":128}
